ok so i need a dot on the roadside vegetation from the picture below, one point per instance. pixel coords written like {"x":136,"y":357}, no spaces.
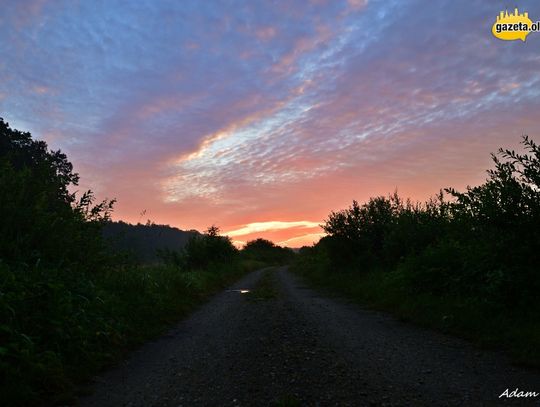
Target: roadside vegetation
{"x":69,"y":305}
{"x":464,"y":262}
{"x":265,"y":251}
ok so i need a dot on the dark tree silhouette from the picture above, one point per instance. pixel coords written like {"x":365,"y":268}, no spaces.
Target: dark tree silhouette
{"x":267,"y":252}
{"x":42,"y":220}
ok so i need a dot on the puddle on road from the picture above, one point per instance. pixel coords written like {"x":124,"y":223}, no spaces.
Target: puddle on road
{"x":264,"y":289}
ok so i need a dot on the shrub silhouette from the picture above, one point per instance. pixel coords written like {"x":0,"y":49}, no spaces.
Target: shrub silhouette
{"x":267,"y":252}
{"x":500,"y":219}
{"x":203,"y":251}
{"x":482,"y":243}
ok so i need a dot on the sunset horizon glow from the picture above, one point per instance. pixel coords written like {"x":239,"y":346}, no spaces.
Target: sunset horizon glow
{"x":262,"y":117}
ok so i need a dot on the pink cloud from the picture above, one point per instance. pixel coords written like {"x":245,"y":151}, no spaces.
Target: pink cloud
{"x":272,"y":113}
{"x":357,"y":4}
{"x":266,"y":33}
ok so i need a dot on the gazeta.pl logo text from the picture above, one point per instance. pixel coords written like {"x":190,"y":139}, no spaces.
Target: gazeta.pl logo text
{"x":514,"y":26}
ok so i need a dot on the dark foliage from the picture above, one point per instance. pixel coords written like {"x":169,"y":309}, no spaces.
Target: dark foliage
{"x":42,"y":221}
{"x":267,"y":252}
{"x":382,"y":231}
{"x":483,"y":243}
{"x":206,"y":251}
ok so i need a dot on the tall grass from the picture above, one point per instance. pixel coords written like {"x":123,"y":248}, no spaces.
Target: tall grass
{"x":59,"y":328}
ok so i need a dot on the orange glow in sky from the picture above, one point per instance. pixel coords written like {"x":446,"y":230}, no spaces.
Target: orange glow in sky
{"x":264,"y":118}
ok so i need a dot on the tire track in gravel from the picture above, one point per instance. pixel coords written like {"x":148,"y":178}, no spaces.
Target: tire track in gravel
{"x":296,"y":347}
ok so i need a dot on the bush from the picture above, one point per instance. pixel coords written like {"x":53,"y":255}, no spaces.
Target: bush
{"x":481,"y":246}
{"x":267,"y":252}
{"x":209,"y":249}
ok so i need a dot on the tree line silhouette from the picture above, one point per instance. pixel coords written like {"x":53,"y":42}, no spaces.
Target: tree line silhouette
{"x":478,"y":249}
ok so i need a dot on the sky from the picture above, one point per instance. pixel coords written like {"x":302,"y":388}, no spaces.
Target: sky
{"x":261,"y":117}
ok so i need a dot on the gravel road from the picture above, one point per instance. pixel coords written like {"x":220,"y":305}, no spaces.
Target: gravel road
{"x":296,"y":347}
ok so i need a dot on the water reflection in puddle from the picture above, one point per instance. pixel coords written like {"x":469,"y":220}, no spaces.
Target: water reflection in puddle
{"x":243,"y":291}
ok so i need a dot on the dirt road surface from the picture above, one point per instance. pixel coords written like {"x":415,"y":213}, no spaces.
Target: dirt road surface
{"x":283,"y":344}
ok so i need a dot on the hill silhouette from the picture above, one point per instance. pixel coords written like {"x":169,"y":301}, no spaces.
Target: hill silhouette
{"x":143,"y":241}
